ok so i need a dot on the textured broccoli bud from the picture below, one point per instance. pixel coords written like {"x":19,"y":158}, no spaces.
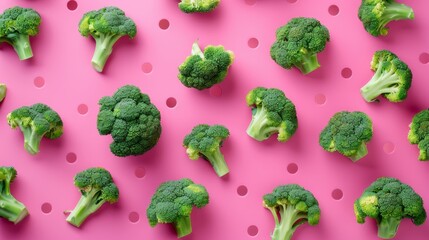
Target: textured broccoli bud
{"x":3,"y":90}
{"x":192,"y":6}
{"x":419,"y":133}
{"x":10,"y":208}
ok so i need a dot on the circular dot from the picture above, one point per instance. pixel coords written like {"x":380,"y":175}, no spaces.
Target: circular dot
{"x":216,"y":91}
{"x":346,"y":72}
{"x":292,"y":1}
{"x":320,"y":99}
{"x":140,"y":172}
{"x":147,"y":67}
{"x":250,"y":2}
{"x":72,"y":5}
{"x":133,"y":217}
{"x":39,"y":82}
{"x":253,"y":43}
{"x":71,"y":157}
{"x":424,"y":58}
{"x":171,"y":102}
{"x":164,"y":24}
{"x":82,"y":109}
{"x":252,"y":230}
{"x":337,"y":194}
{"x":46,"y":207}
{"x":242,"y":190}
{"x":333,"y":10}
{"x":389,"y":148}
{"x":292,"y":168}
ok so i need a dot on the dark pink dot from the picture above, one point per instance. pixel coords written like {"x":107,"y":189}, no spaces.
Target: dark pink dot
{"x":346,"y":73}
{"x":253,"y":43}
{"x":140,"y":172}
{"x":39,"y":82}
{"x":46,"y":207}
{"x":147,"y":67}
{"x":71,"y":157}
{"x":292,"y":168}
{"x":82,"y":109}
{"x":424,"y":58}
{"x":171,"y":102}
{"x":292,"y":1}
{"x":333,"y":10}
{"x":164,"y":24}
{"x":216,"y":91}
{"x":337,"y":194}
{"x":250,"y":2}
{"x":252,"y":230}
{"x":133,"y":217}
{"x":242,"y":190}
{"x":72,"y":5}
{"x":320,"y":99}
{"x":389,"y":148}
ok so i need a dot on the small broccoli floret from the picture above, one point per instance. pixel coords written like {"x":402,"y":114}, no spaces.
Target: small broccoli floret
{"x":291,"y":206}
{"x":17,"y":25}
{"x":203,"y":70}
{"x":376,"y":14}
{"x":205,"y":141}
{"x":36,"y":122}
{"x":347,"y":133}
{"x":97,"y":187}
{"x":3,"y":90}
{"x":298,"y":43}
{"x":388,"y":201}
{"x":272,"y":112}
{"x":191,"y":6}
{"x":10,"y":208}
{"x":419,"y":133}
{"x":392,"y":78}
{"x":173,"y":202}
{"x":106,"y":26}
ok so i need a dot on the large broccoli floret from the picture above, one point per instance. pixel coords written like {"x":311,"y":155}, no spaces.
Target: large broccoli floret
{"x":419,"y":133}
{"x":291,"y":206}
{"x":376,"y":14}
{"x":203,"y":70}
{"x":106,"y":26}
{"x":36,"y":122}
{"x":97,"y":187}
{"x":272,"y":112}
{"x":388,"y":201}
{"x":10,"y":208}
{"x":347,"y":133}
{"x":392,"y":78}
{"x":173,"y":202}
{"x":191,"y":6}
{"x":131,"y":119}
{"x":205,"y":141}
{"x":298,"y":43}
{"x":17,"y":25}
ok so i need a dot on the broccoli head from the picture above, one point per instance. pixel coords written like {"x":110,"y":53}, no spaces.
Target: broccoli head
{"x":347,"y":133}
{"x":205,"y":141}
{"x":10,"y":208}
{"x":132,"y":120}
{"x":291,"y":206}
{"x":272,"y":112}
{"x":191,"y":6}
{"x":173,"y":202}
{"x":376,"y":14}
{"x":17,"y":25}
{"x":392,"y":78}
{"x":36,"y":122}
{"x":203,"y":70}
{"x":97,"y":187}
{"x":419,"y":133}
{"x":106,"y":26}
{"x":3,"y":90}
{"x":298,"y":43}
{"x":388,"y":201}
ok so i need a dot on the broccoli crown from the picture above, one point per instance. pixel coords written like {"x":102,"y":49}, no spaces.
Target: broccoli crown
{"x":203,"y":70}
{"x":18,"y":21}
{"x":388,"y":201}
{"x":298,"y":42}
{"x":419,"y":133}
{"x":131,"y":119}
{"x":97,"y":180}
{"x":376,"y":14}
{"x":191,"y":6}
{"x":347,"y":133}
{"x":10,"y":208}
{"x":272,"y":112}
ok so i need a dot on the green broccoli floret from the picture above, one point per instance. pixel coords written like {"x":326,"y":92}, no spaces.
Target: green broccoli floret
{"x":97,"y":187}
{"x":3,"y":90}
{"x":10,"y":208}
{"x":36,"y":122}
{"x":291,"y":206}
{"x":205,"y":141}
{"x":106,"y":26}
{"x":132,"y":120}
{"x":419,"y":133}
{"x":347,"y":133}
{"x":272,"y":112}
{"x":388,"y":201}
{"x":392,"y":78}
{"x":376,"y":14}
{"x":173,"y":202}
{"x":203,"y":70}
{"x":191,"y":6}
{"x":298,"y":43}
{"x":17,"y":25}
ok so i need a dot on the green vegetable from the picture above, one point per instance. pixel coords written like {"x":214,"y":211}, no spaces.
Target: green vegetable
{"x":106,"y":26}
{"x":191,"y":6}
{"x":3,"y":90}
{"x":10,"y":208}
{"x":419,"y":133}
{"x":36,"y":122}
{"x":17,"y":25}
{"x":97,"y":187}
{"x":388,"y":201}
{"x":173,"y":202}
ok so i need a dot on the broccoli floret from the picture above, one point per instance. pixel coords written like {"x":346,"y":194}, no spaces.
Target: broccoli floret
{"x":291,"y":206}
{"x":298,"y":43}
{"x":17,"y":25}
{"x":132,"y":120}
{"x":3,"y":90}
{"x":388,"y":201}
{"x":272,"y":112}
{"x":392,"y":78}
{"x":347,"y":133}
{"x":191,"y":6}
{"x":203,"y":70}
{"x":106,"y":26}
{"x":36,"y":122}
{"x":205,"y":141}
{"x":419,"y":133}
{"x":173,"y":202}
{"x":376,"y":14}
{"x":10,"y":208}
{"x":97,"y":187}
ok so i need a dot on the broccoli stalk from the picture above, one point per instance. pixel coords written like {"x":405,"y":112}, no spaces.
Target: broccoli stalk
{"x":31,"y":139}
{"x":10,"y":208}
{"x":215,"y":157}
{"x":21,"y":44}
{"x":383,"y":82}
{"x":103,"y":48}
{"x":89,"y":203}
{"x":183,"y":226}
{"x":196,"y":50}
{"x":308,"y":63}
{"x":396,"y":11}
{"x":290,"y":220}
{"x":261,"y":129}
{"x":387,"y":228}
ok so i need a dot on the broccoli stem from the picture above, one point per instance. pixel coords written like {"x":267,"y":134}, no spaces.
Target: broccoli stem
{"x":103,"y":49}
{"x":21,"y":44}
{"x":397,"y":11}
{"x":309,"y":63}
{"x":196,"y":50}
{"x":31,"y":139}
{"x":217,"y":160}
{"x":383,"y":82}
{"x":258,"y":127}
{"x":183,"y":226}
{"x":87,"y":205}
{"x":360,"y":153}
{"x":290,"y":220}
{"x":12,"y":209}
{"x":387,"y":228}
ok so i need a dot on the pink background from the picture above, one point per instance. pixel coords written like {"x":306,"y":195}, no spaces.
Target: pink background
{"x":61,"y":75}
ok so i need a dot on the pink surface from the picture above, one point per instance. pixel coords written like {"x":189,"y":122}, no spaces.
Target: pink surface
{"x":61,"y":76}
